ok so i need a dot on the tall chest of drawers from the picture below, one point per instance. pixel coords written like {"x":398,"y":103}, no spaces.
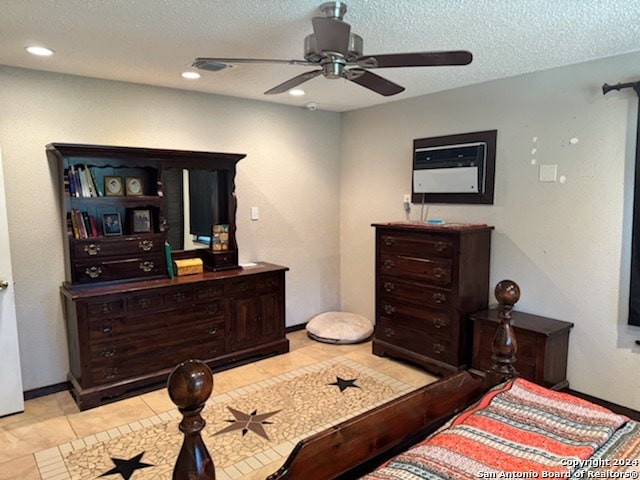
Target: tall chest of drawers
{"x":428,"y":280}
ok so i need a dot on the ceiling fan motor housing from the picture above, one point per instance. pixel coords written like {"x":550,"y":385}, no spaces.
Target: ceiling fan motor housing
{"x":314,"y":55}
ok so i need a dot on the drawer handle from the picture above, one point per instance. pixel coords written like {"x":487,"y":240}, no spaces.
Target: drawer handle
{"x":271,"y":282}
{"x":439,"y":348}
{"x":440,"y":246}
{"x":146,"y":266}
{"x":258,"y":319}
{"x":145,"y":245}
{"x":243,"y":286}
{"x":179,"y":297}
{"x":389,"y":286}
{"x":105,"y":308}
{"x":439,"y":297}
{"x":144,"y":302}
{"x":93,"y":272}
{"x":439,"y":272}
{"x":439,"y":323}
{"x":389,"y":332}
{"x":212,"y":330}
{"x":389,"y":264}
{"x":212,"y":309}
{"x":92,"y":249}
{"x":110,"y":373}
{"x":389,"y":241}
{"x":388,"y":309}
{"x":108,"y":353}
{"x":107,"y":329}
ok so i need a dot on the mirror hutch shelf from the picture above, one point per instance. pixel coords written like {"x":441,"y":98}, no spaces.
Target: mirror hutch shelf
{"x":127,"y":215}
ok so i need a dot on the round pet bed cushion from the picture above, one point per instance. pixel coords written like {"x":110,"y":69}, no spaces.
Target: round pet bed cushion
{"x":339,"y":327}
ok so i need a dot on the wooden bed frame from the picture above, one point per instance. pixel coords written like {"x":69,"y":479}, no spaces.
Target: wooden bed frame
{"x":358,"y":445}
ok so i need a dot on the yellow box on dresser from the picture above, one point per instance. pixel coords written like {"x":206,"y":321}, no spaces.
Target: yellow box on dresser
{"x":187,"y":266}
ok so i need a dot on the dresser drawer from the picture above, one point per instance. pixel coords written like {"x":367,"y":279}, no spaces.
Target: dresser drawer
{"x":118,"y":268}
{"x":142,"y":303}
{"x":176,"y":298}
{"x":268,"y":283}
{"x":422,"y":246}
{"x":430,"y":270}
{"x":414,"y":340}
{"x":104,"y":309}
{"x":210,"y":290}
{"x":95,"y":248}
{"x":412,"y":316}
{"x":240,"y":286}
{"x":398,"y":290}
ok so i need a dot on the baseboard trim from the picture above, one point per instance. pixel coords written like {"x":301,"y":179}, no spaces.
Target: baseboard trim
{"x":295,"y":328}
{"x":42,"y":391}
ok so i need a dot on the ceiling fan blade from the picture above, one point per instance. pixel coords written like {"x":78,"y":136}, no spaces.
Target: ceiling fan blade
{"x":293,"y":82}
{"x":332,"y":35}
{"x":217,"y":64}
{"x":417,"y":59}
{"x":373,"y":82}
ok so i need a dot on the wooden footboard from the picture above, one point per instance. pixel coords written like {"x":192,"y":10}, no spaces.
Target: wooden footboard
{"x":347,"y":449}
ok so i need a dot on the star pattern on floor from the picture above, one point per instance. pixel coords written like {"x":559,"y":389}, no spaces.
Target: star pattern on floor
{"x":126,"y":467}
{"x":343,"y":384}
{"x":248,"y":422}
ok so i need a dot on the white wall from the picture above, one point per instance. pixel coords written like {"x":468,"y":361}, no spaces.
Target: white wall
{"x":566,"y":244}
{"x":291,"y":173}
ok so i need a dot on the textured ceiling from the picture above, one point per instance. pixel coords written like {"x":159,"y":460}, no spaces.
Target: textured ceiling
{"x":153,"y":41}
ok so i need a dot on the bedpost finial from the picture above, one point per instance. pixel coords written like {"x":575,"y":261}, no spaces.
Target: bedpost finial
{"x":190,"y":385}
{"x":507,"y":293}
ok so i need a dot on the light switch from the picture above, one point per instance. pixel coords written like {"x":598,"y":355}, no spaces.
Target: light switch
{"x":548,"y":173}
{"x":255,"y":213}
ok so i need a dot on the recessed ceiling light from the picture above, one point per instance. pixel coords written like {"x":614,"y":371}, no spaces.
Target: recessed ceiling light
{"x":296,"y":92}
{"x":190,"y":75}
{"x":40,"y":51}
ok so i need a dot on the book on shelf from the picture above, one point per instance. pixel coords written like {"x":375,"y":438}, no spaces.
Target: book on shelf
{"x":73,"y":184}
{"x":94,"y":181}
{"x":83,"y":225}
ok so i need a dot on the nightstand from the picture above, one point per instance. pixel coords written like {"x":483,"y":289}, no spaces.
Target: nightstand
{"x":543,"y":344}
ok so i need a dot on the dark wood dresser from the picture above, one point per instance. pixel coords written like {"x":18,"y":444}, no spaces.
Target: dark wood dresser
{"x":128,"y":320}
{"x":124,"y":337}
{"x":428,"y":280}
{"x":543,"y":345}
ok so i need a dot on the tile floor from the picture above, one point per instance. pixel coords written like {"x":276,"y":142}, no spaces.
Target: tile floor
{"x":55,"y":419}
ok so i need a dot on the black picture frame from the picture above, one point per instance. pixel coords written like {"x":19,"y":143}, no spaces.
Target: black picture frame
{"x":141,"y":220}
{"x":111,"y":224}
{"x":485,"y":194}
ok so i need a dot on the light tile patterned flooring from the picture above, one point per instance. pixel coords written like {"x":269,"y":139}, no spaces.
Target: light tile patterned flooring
{"x":55,"y":419}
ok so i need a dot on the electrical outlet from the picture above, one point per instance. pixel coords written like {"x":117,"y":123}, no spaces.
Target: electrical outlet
{"x":407,"y":198}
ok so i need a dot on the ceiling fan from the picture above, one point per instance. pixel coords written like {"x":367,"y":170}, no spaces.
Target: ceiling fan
{"x":338,"y":53}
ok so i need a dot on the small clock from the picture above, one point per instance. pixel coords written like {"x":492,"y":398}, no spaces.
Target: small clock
{"x":133,"y":186}
{"x":113,"y":186}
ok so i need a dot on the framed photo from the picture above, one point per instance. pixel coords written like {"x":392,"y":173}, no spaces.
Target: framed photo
{"x":113,"y":186}
{"x":133,"y":186}
{"x":141,"y":220}
{"x":111,"y":224}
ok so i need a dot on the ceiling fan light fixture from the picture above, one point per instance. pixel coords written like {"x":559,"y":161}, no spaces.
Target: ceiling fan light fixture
{"x":296,"y":92}
{"x":209,"y":65}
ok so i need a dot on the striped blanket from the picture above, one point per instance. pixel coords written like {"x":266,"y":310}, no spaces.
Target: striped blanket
{"x":518,"y":430}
